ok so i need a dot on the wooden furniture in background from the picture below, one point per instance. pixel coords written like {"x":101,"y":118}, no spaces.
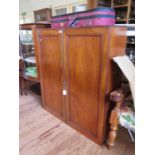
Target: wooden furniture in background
{"x":98,"y":3}
{"x":130,"y":47}
{"x":116,"y":96}
{"x":29,"y":55}
{"x":77,"y":75}
{"x":43,"y":15}
{"x":125,"y":10}
{"x":123,"y":113}
{"x":24,"y":84}
{"x":21,"y":78}
{"x":28,"y":50}
{"x":104,"y":3}
{"x":91,"y":4}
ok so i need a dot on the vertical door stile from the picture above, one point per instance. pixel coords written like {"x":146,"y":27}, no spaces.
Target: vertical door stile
{"x":65,"y":75}
{"x":63,"y":80}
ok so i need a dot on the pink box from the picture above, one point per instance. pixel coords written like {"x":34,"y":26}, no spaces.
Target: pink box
{"x":94,"y":17}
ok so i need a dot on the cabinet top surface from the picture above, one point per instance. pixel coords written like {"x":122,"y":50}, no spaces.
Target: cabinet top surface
{"x":40,"y":10}
{"x":86,"y":28}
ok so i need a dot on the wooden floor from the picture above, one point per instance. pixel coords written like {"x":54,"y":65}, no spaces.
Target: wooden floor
{"x":41,"y":133}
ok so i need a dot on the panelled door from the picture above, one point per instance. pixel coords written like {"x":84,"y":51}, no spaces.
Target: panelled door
{"x":85,"y":65}
{"x":51,"y":68}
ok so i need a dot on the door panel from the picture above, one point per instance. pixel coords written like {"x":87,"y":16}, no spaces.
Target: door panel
{"x":84,"y":61}
{"x":51,"y":71}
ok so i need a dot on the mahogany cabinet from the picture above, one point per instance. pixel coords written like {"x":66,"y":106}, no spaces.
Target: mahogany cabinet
{"x":77,"y":75}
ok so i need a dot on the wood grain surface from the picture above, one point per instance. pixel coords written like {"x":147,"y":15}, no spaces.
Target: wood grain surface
{"x":78,"y":61}
{"x":51,"y":72}
{"x":84,"y":65}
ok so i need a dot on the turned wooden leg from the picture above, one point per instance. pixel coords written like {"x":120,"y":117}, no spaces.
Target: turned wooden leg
{"x":117,"y":97}
{"x":113,"y":127}
{"x":112,"y":136}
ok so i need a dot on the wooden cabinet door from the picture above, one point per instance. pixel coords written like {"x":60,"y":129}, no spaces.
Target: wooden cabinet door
{"x":51,"y":70}
{"x":85,"y":60}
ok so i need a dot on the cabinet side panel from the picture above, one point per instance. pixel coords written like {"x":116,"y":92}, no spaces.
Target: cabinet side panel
{"x":51,"y":72}
{"x":117,"y":47}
